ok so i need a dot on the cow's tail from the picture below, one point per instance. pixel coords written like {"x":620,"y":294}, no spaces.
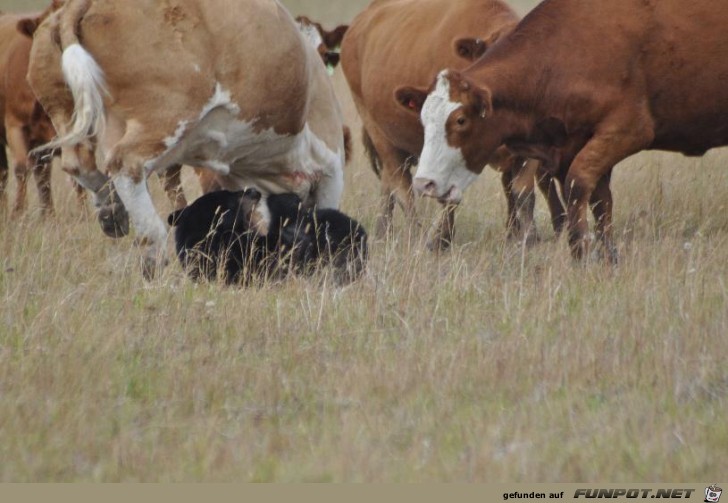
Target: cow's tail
{"x":374,"y":161}
{"x":84,"y":78}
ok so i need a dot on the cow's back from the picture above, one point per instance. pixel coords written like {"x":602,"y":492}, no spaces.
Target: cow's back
{"x":688,"y":75}
{"x":191,"y":48}
{"x":397,"y":43}
{"x":592,"y":58}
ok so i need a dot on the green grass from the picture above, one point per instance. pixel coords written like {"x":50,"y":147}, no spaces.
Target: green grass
{"x":489,"y":363}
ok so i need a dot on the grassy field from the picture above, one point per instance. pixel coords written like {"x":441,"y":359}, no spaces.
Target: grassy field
{"x":490,"y":363}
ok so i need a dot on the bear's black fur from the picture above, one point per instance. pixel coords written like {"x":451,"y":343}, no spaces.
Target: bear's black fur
{"x":216,"y":236}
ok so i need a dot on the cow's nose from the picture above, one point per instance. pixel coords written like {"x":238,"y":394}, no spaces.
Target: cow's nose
{"x":425,"y":187}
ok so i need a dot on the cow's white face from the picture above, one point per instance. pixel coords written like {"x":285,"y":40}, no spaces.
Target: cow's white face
{"x":442,"y":171}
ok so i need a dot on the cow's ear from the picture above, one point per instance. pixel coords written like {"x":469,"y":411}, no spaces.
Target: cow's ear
{"x":333,"y":38}
{"x":482,"y":101}
{"x":27,"y":26}
{"x":411,"y":98}
{"x":173,"y":217}
{"x":470,"y":49}
{"x":551,"y":131}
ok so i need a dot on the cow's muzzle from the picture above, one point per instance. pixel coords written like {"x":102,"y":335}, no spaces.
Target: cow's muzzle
{"x":429,"y":188}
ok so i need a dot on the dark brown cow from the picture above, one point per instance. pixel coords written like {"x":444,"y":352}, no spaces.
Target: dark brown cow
{"x":611,"y":79}
{"x":326,"y":42}
{"x":406,"y":43}
{"x":24,"y":123}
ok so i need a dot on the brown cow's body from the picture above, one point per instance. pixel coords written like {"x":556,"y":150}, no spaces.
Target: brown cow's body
{"x":612,"y":78}
{"x":396,"y":43}
{"x":227,"y":85}
{"x":24,"y":125}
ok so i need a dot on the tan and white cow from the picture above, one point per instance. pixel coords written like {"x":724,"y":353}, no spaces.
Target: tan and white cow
{"x":229,"y":85}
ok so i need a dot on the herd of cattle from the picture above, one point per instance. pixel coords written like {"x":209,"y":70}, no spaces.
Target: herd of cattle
{"x":239,"y":90}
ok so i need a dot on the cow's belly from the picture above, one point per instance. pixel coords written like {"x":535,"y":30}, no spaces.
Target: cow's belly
{"x":246,"y":155}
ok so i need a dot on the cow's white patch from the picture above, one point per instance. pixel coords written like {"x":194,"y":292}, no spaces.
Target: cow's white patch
{"x":217,"y":167}
{"x":171,"y":141}
{"x":140,"y":207}
{"x":251,"y":156}
{"x":439,"y":162}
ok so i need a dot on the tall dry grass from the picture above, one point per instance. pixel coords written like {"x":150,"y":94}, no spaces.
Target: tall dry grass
{"x":488,"y":363}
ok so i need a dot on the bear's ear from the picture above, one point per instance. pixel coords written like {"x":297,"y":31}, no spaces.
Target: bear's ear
{"x":173,"y":217}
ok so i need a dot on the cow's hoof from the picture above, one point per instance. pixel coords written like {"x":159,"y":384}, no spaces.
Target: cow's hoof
{"x":383,"y":229}
{"x":439,"y":244}
{"x":114,"y":220}
{"x":607,"y":254}
{"x":152,"y":267}
{"x":531,"y":238}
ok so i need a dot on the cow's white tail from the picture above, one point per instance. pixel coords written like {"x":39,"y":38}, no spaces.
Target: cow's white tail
{"x":85,"y":79}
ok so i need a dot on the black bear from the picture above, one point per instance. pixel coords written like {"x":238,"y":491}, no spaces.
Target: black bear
{"x":241,"y":236}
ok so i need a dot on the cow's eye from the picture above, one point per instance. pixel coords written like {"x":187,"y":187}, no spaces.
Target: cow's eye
{"x":460,"y":121}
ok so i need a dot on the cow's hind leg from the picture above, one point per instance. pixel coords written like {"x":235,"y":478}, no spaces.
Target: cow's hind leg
{"x":18,"y":145}
{"x":42,"y":172}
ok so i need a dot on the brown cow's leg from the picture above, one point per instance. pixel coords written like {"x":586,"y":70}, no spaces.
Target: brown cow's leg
{"x":601,"y":204}
{"x":617,"y":139}
{"x":396,"y":182}
{"x":524,"y":192}
{"x":549,"y":188}
{"x":443,"y":230}
{"x":518,"y":182}
{"x":172,"y":181}
{"x":42,"y":172}
{"x":18,"y":145}
{"x":4,"y":170}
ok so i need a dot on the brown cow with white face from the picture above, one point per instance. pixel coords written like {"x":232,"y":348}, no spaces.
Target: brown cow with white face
{"x":326,"y":42}
{"x":390,"y":54}
{"x":611,"y":79}
{"x":229,"y":85}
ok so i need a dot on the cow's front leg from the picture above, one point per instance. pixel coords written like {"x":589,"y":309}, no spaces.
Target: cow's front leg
{"x":549,"y":187}
{"x":588,"y":177}
{"x":127,"y":167}
{"x":443,"y":230}
{"x":80,"y":162}
{"x":601,"y":205}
